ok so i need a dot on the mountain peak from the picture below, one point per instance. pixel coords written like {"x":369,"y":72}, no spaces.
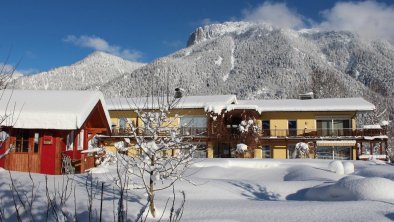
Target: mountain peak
{"x":216,"y":30}
{"x":101,"y":55}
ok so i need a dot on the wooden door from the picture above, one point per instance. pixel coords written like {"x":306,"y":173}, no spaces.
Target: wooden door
{"x":48,"y":152}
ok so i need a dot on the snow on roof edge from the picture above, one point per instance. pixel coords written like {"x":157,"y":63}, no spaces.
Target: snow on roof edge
{"x":52,"y":109}
{"x":187,"y":102}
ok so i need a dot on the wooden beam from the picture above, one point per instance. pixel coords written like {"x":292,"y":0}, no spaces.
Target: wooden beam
{"x":98,"y":130}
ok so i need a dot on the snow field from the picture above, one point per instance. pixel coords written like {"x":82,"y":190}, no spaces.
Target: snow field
{"x":250,"y":190}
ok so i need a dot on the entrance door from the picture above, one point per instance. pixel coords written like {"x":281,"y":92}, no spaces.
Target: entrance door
{"x":48,"y":154}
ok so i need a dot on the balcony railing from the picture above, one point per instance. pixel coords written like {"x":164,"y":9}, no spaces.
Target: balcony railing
{"x":346,"y":132}
{"x":183,"y":131}
{"x":203,"y":132}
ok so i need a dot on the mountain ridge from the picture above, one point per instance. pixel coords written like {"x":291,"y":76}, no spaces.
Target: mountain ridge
{"x":96,"y":68}
{"x":258,"y":61}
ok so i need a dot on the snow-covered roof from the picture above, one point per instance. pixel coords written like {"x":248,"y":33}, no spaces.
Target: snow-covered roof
{"x":330,"y":104}
{"x":190,"y":102}
{"x":41,"y":109}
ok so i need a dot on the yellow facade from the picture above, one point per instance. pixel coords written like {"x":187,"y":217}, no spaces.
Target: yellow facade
{"x":354,"y":153}
{"x":279,"y":125}
{"x":279,"y":152}
{"x":258,"y":153}
{"x":306,"y":121}
{"x":210,"y":150}
{"x":173,"y":118}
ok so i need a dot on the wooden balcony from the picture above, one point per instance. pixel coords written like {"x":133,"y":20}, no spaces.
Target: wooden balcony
{"x":310,"y":133}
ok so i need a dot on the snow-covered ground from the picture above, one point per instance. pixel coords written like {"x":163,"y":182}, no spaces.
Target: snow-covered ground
{"x":238,"y":190}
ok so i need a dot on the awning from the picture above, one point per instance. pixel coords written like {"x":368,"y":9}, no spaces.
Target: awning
{"x":336,"y":143}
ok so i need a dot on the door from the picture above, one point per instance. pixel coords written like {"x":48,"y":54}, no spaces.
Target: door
{"x":48,"y":152}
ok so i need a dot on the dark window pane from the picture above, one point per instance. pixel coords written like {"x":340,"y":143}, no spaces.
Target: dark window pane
{"x":36,"y":142}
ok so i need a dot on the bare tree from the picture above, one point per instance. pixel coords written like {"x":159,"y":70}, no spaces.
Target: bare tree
{"x":6,"y":118}
{"x":164,"y":154}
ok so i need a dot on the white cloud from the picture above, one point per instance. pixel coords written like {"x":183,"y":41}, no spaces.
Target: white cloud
{"x":100,"y":44}
{"x":277,"y":14}
{"x":369,"y":19}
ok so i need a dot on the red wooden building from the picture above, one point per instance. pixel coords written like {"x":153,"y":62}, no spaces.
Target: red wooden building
{"x":44,"y":126}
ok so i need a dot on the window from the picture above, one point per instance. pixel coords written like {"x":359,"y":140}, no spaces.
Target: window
{"x":194,"y":121}
{"x":199,"y":152}
{"x":334,"y":152}
{"x":266,"y":149}
{"x":379,"y":148}
{"x":291,"y":154}
{"x":22,"y":141}
{"x":93,"y":143}
{"x":123,"y":122}
{"x":194,"y":125}
{"x":292,"y":126}
{"x":333,"y":127}
{"x":70,"y":141}
{"x":36,"y":142}
{"x":81,"y":137}
{"x":266,"y":128}
{"x":366,"y":149}
{"x":3,"y":136}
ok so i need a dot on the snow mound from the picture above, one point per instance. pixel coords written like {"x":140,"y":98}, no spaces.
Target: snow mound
{"x":354,"y":188}
{"x":308,"y":173}
{"x":99,"y":170}
{"x":2,"y":170}
{"x":377,"y":171}
{"x":336,"y":166}
{"x":242,"y":163}
{"x":375,"y":161}
{"x":348,"y":167}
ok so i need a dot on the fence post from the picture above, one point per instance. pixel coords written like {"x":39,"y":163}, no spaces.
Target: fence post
{"x":101,"y":200}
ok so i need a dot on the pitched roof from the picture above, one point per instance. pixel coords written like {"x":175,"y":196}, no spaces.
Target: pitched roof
{"x":41,"y":109}
{"x":190,"y":102}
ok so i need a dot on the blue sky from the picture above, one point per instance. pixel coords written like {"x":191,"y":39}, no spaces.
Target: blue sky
{"x":48,"y":34}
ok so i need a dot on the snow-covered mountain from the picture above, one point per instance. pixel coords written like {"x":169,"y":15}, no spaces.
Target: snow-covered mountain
{"x":96,"y":69}
{"x":262,"y":61}
{"x":250,"y":60}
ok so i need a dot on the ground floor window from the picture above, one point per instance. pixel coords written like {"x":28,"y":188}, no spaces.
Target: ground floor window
{"x":223,"y":150}
{"x":200,"y":151}
{"x":290,"y":151}
{"x":266,"y":150}
{"x":334,"y":152}
{"x":22,"y":141}
{"x":36,"y":142}
{"x":70,"y":141}
{"x":372,"y":148}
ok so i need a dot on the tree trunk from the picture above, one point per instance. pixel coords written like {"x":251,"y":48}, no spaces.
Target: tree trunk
{"x":151,"y":190}
{"x":152,"y":204}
